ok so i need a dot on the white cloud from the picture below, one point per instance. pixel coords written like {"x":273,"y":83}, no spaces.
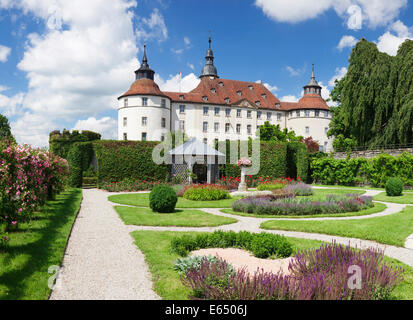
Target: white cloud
{"x":78,"y":71}
{"x":390,"y":42}
{"x":106,"y":126}
{"x":268,"y":86}
{"x":346,"y":41}
{"x":356,"y":12}
{"x":294,"y":72}
{"x":10,"y":106}
{"x":191,"y":66}
{"x":153,"y":27}
{"x":187,"y":41}
{"x":289,"y":98}
{"x":340,"y":73}
{"x":176,"y":84}
{"x":4,"y":53}
{"x":355,"y":19}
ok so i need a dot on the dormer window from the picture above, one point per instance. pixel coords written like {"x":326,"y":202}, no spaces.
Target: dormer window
{"x":221,"y":84}
{"x":227,"y":100}
{"x":213,"y":90}
{"x":257,"y":103}
{"x":239,"y":93}
{"x":205,"y":98}
{"x":250,"y":87}
{"x":264,"y":96}
{"x":181,"y":97}
{"x":277,"y":105}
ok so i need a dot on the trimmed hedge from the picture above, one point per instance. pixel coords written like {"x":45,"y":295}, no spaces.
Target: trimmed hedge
{"x":79,"y":158}
{"x":394,"y":187}
{"x":163,"y":199}
{"x":361,"y":171}
{"x":117,"y":160}
{"x":297,"y":160}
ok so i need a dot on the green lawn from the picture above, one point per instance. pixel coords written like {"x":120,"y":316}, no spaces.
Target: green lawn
{"x":180,"y":218}
{"x":346,"y":187}
{"x":392,"y":229}
{"x":378,"y":207}
{"x":406,"y":198}
{"x":155,"y":245}
{"x":142,"y":200}
{"x":35,"y":247}
{"x":320,"y":194}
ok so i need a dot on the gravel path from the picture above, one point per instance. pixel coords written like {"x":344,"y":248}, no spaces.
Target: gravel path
{"x":101,"y":262}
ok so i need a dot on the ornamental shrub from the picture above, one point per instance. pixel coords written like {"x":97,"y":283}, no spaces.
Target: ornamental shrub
{"x":183,"y":265}
{"x":163,"y":199}
{"x":394,"y":187}
{"x":261,"y":245}
{"x":205,"y":192}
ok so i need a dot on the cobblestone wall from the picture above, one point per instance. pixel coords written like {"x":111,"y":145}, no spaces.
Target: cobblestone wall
{"x":371,"y":153}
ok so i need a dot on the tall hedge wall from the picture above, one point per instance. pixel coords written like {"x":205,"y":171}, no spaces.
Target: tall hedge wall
{"x":117,"y":160}
{"x":297,"y":160}
{"x":79,"y":158}
{"x":361,"y":171}
{"x":273,"y":159}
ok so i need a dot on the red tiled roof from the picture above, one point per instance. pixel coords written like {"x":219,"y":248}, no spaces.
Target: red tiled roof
{"x":143,"y":86}
{"x":312,"y":101}
{"x":227,"y":89}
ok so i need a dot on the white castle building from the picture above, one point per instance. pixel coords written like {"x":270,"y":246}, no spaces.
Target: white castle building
{"x":217,"y":109}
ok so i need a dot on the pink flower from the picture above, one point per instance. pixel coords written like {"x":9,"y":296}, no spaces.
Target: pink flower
{"x":14,"y":223}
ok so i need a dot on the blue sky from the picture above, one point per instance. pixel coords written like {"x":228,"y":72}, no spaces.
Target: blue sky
{"x":63,"y":63}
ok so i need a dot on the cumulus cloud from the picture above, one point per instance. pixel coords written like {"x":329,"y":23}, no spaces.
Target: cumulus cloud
{"x":4,"y":53}
{"x":176,"y":84}
{"x":294,"y":72}
{"x":355,"y":12}
{"x":390,"y":41}
{"x":106,"y":126}
{"x":289,"y":98}
{"x":340,"y":73}
{"x":153,"y":27}
{"x":268,"y":86}
{"x":10,"y":106}
{"x":346,"y":41}
{"x":78,"y":70}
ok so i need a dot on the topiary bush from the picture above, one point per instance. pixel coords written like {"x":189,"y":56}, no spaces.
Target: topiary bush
{"x":163,"y":199}
{"x":394,"y":187}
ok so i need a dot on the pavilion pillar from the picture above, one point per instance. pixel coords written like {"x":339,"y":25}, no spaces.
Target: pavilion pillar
{"x":209,"y":173}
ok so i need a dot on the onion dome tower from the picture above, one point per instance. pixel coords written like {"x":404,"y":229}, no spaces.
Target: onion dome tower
{"x":209,"y":69}
{"x":144,"y":72}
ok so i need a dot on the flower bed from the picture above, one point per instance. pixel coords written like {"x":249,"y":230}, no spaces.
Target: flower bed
{"x":300,"y":206}
{"x":205,"y":192}
{"x":322,"y":274}
{"x":130,"y":185}
{"x":299,"y":189}
{"x":262,"y":245}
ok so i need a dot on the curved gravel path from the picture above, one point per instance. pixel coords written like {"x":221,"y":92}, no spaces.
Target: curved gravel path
{"x":101,"y":262}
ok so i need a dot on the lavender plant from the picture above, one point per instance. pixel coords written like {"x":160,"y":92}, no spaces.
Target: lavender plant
{"x":299,"y":189}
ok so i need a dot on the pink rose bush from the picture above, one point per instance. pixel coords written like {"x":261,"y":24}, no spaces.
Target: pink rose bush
{"x":28,"y":177}
{"x":244,"y":162}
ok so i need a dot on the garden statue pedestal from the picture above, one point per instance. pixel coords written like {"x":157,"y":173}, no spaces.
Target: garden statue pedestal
{"x":242,"y":185}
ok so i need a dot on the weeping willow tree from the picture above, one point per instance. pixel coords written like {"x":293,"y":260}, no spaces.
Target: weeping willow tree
{"x":375,"y":98}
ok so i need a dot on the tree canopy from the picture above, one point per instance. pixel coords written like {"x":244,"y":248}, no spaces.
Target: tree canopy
{"x":272,"y":132}
{"x":5,"y":132}
{"x":375,"y":97}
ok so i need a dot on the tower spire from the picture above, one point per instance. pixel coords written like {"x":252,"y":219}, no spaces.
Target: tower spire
{"x":209,"y":69}
{"x":144,"y":72}
{"x":312,"y":87}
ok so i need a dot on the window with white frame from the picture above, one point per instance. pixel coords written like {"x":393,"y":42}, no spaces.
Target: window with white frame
{"x":228,"y":112}
{"x":206,"y":109}
{"x":143,"y":136}
{"x":181,"y":109}
{"x":297,"y":113}
{"x":125,"y":102}
{"x":238,"y":113}
{"x":216,"y":127}
{"x":216,"y":111}
{"x":317,"y":113}
{"x":325,"y":130}
{"x":227,"y":126}
{"x":144,"y":101}
{"x":144,"y":121}
{"x":125,"y":121}
{"x":205,"y":126}
{"x":259,"y":114}
{"x":249,"y":114}
{"x":205,"y":140}
{"x":125,"y":136}
{"x":238,"y":128}
{"x":182,"y":125}
{"x":278,"y":116}
{"x":163,"y":103}
{"x":268,"y":115}
{"x":307,"y":113}
{"x":163,"y":123}
{"x":307,"y":130}
{"x":249,"y":129}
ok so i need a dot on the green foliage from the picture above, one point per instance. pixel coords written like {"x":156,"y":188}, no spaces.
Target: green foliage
{"x":183,"y":265}
{"x":205,"y":193}
{"x":375,"y":97}
{"x":61,"y":143}
{"x":163,"y":199}
{"x":375,"y":171}
{"x":272,"y":132}
{"x":79,"y":158}
{"x":5,"y":132}
{"x":270,"y":186}
{"x":117,"y":160}
{"x":341,"y":144}
{"x":262,"y":245}
{"x":297,"y":160}
{"x":394,"y":187}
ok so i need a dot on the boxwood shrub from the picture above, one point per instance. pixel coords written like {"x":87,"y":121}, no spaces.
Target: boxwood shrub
{"x":394,"y":187}
{"x":163,"y":199}
{"x":262,"y":245}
